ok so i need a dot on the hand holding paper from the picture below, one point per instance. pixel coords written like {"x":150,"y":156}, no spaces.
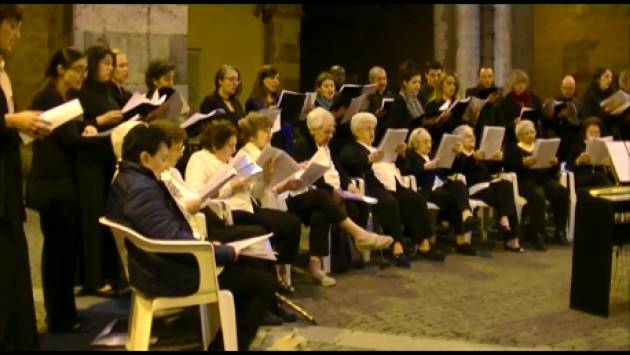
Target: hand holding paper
{"x":49,"y":120}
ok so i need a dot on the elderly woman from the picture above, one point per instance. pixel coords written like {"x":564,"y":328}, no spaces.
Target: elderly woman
{"x":451,"y":196}
{"x":324,"y":205}
{"x":536,"y":185}
{"x":587,"y":175}
{"x":397,"y":204}
{"x":477,"y":168}
{"x":509,"y":109}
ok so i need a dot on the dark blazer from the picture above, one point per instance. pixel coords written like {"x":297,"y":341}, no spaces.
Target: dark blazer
{"x":214,"y":101}
{"x":121,"y":95}
{"x":353,"y":160}
{"x":474,"y":170}
{"x":97,"y":99}
{"x":138,"y":200}
{"x":578,"y":148}
{"x":513,"y":162}
{"x":413,"y":164}
{"x":508,"y":110}
{"x":426,"y":91}
{"x":304,"y":148}
{"x":399,"y":116}
{"x":11,"y":203}
{"x":591,"y":107}
{"x":487,"y":116}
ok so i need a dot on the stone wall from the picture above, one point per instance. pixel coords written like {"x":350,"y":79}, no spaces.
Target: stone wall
{"x":144,"y":32}
{"x":282,"y":43}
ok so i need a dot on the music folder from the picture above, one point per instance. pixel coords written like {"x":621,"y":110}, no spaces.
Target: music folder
{"x":291,"y":104}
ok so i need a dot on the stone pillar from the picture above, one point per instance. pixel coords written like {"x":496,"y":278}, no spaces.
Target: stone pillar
{"x":444,"y":36}
{"x":467,"y":59}
{"x":144,"y":32}
{"x":282,"y":43}
{"x":502,"y":43}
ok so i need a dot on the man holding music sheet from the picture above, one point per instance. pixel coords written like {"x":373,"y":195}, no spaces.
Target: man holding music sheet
{"x":561,"y":117}
{"x":489,"y":94}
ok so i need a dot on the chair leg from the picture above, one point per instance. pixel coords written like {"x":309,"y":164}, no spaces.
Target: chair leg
{"x":326,"y":259}
{"x":210,"y":322}
{"x":483,"y":224}
{"x":228,"y":320}
{"x":140,"y":322}
{"x":287,"y":273}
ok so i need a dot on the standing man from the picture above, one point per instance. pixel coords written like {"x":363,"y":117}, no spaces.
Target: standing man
{"x":563,"y":121}
{"x":432,"y":76}
{"x":18,"y":329}
{"x":378,"y":76}
{"x":485,"y":89}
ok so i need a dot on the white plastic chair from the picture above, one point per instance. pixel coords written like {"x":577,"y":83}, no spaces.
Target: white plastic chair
{"x":216,"y":306}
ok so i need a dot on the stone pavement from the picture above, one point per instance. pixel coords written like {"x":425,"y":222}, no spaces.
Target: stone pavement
{"x":499,"y":302}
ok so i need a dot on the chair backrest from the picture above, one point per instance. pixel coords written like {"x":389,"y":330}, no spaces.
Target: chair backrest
{"x":203,"y":252}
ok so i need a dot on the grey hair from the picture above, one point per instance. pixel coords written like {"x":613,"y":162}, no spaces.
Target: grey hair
{"x":521,"y":125}
{"x":415,"y":134}
{"x":516,"y":76}
{"x":360,"y":120}
{"x":374,"y":72}
{"x":316,"y":118}
{"x":459,"y":130}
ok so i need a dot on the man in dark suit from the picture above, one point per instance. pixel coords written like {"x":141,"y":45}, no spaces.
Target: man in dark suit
{"x":432,"y":76}
{"x":487,"y":115}
{"x":18,"y":330}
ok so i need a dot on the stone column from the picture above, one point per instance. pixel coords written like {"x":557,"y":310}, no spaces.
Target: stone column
{"x":144,"y":32}
{"x":467,"y":59}
{"x":441,"y":30}
{"x":502,"y":43}
{"x":282,"y":43}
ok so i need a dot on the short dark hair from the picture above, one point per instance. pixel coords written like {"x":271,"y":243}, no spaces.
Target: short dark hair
{"x":591,"y":121}
{"x":140,"y":139}
{"x":323,"y":76}
{"x":216,"y":134}
{"x":433,"y":64}
{"x":11,"y":11}
{"x":407,"y":70}
{"x":156,"y":69}
{"x":220,"y":74}
{"x":94,"y":56}
{"x":172,"y":130}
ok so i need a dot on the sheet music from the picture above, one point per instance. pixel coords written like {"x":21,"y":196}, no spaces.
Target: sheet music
{"x":347,"y":195}
{"x":257,"y":247}
{"x":199,"y":117}
{"x":274,"y":115}
{"x":385,"y":101}
{"x":357,"y":104}
{"x":491,"y":140}
{"x":392,"y":139}
{"x":284,"y":167}
{"x":309,"y":104}
{"x":620,"y":159}
{"x":617,"y":103}
{"x":111,"y":130}
{"x":544,"y":151}
{"x":524,"y":110}
{"x":368,"y":89}
{"x":244,"y":166}
{"x":221,"y":177}
{"x":57,"y":116}
{"x":139,"y":99}
{"x":596,"y":149}
{"x":445,"y":152}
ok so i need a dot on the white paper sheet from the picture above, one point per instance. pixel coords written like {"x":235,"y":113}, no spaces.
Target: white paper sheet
{"x":620,"y":158}
{"x":544,"y":151}
{"x":57,"y":116}
{"x":491,"y":140}
{"x":596,"y":149}
{"x":392,"y":139}
{"x":445,"y":152}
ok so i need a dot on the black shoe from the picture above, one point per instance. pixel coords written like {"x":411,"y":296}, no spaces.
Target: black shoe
{"x":283,"y":314}
{"x":515,"y":250}
{"x":539,"y":243}
{"x":470,"y":224}
{"x":560,"y":237}
{"x":271,"y":319}
{"x":77,"y":327}
{"x":466,"y":249}
{"x":401,"y":260}
{"x":432,"y":255}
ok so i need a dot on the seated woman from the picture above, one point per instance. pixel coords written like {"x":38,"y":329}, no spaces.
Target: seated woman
{"x":438,"y":121}
{"x":578,"y":160}
{"x":139,"y":199}
{"x":477,"y":168}
{"x":536,"y":185}
{"x":397,"y":204}
{"x":323,"y":206}
{"x":452,"y":196}
{"x":219,"y":142}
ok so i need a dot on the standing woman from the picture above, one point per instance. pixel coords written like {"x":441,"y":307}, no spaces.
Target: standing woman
{"x":18,"y":330}
{"x":601,"y":88}
{"x":520,"y":96}
{"x":406,"y":110}
{"x":439,"y":121}
{"x":227,"y":87}
{"x":95,"y":168}
{"x":51,"y":190}
{"x":265,"y":94}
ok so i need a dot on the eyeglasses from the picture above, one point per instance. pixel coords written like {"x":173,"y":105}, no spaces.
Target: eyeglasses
{"x":79,"y":70}
{"x":232,"y":79}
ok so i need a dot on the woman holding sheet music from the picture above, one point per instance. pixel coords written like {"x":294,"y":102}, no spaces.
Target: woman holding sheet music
{"x":406,"y":111}
{"x":95,"y":168}
{"x":518,"y":97}
{"x":497,"y":193}
{"x":588,"y":175}
{"x":536,"y":185}
{"x":451,"y":196}
{"x":438,"y":118}
{"x":227,"y":87}
{"x":397,"y":204}
{"x":601,"y":87}
{"x":51,"y":190}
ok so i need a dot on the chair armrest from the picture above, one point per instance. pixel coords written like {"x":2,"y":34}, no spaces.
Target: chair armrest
{"x":410,"y":181}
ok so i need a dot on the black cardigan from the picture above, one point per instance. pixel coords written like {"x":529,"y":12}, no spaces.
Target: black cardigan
{"x":399,"y":116}
{"x":508,"y":110}
{"x":304,"y":148}
{"x":488,"y":115}
{"x":413,"y":164}
{"x":353,"y":161}
{"x":578,"y":148}
{"x":474,"y":170}
{"x":215,"y":101}
{"x":11,"y":202}
{"x":513,"y":162}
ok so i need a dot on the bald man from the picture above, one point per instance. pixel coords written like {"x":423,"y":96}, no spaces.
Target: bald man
{"x":563,"y":122}
{"x":487,"y":115}
{"x":378,"y":76}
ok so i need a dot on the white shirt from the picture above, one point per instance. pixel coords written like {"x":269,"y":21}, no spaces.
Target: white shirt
{"x":386,"y":172}
{"x":200,"y":168}
{"x":331,"y":176}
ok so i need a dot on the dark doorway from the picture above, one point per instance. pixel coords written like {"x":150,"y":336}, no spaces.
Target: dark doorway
{"x":361,"y":36}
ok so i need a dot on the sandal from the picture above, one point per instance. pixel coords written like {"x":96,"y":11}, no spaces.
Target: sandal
{"x":374,"y":241}
{"x":285,"y":289}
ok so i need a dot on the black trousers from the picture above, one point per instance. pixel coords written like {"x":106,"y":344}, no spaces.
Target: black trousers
{"x":18,"y":329}
{"x":285,"y":226}
{"x":500,"y":195}
{"x":317,"y":209}
{"x":535,"y":194}
{"x":60,"y":224}
{"x":402,"y":208}
{"x":453,"y":198}
{"x":253,"y":291}
{"x":219,"y":231}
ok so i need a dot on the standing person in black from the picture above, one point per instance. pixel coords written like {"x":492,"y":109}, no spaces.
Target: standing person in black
{"x":378,"y":77}
{"x":519,"y":96}
{"x":497,"y":193}
{"x":536,"y":185}
{"x":437,"y":120}
{"x":397,"y":204}
{"x":624,"y":84}
{"x":601,"y":88}
{"x":565,"y":122}
{"x":121,"y":74}
{"x":95,"y":168}
{"x":432,"y":75}
{"x":406,"y":110}
{"x":51,"y":190}
{"x":339,"y":74}
{"x":586,"y":174}
{"x":488,"y":114}
{"x":140,"y":200}
{"x":227,"y":87}
{"x":18,"y":329}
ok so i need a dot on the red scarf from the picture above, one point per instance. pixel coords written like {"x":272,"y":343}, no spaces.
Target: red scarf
{"x":524,"y":99}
